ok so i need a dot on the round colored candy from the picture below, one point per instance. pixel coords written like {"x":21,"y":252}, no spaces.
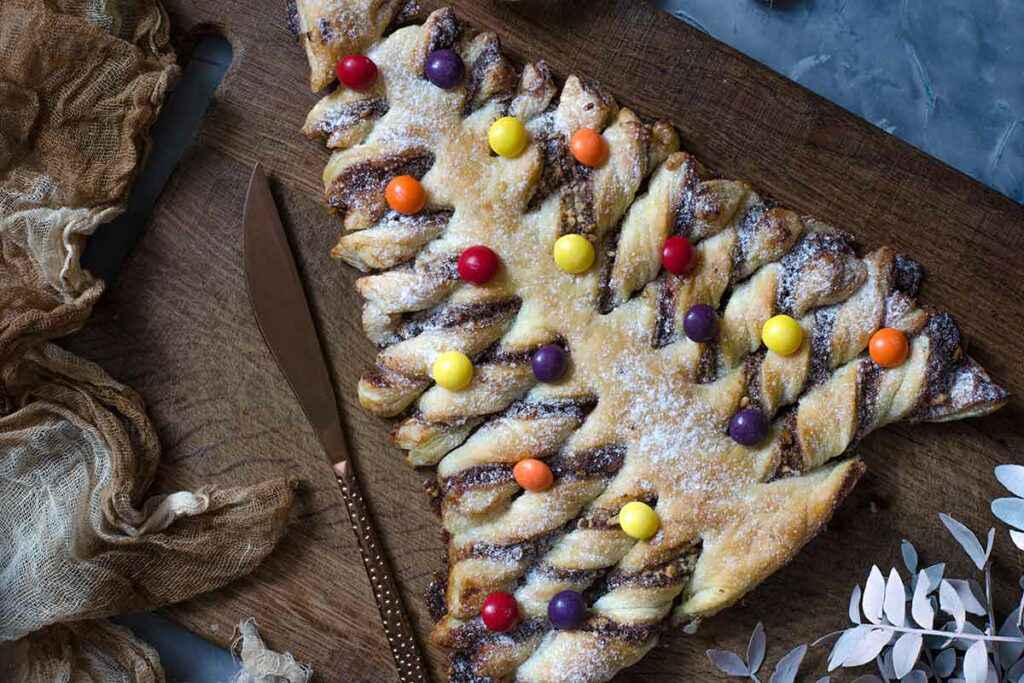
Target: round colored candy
{"x":638,"y":520}
{"x":567,"y":610}
{"x":499,"y":611}
{"x":444,"y":68}
{"x":589,"y":147}
{"x":748,"y":426}
{"x":888,"y":347}
{"x":782,"y":334}
{"x":548,"y":363}
{"x":452,"y":370}
{"x":507,"y":137}
{"x":405,"y":195}
{"x":477,"y":264}
{"x":700,"y":323}
{"x":677,"y":255}
{"x":356,"y":71}
{"x":574,"y":253}
{"x":533,"y":475}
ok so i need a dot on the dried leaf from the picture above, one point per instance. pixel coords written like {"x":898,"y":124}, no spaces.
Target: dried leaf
{"x":756,"y":648}
{"x":1010,"y":652}
{"x":944,"y":662}
{"x":909,"y":553}
{"x":968,"y":597}
{"x":844,"y":644}
{"x":920,"y":605}
{"x":976,"y":663}
{"x":966,"y":538}
{"x":934,"y":574}
{"x":951,"y":604}
{"x":867,"y":647}
{"x":788,"y":667}
{"x":905,"y":653}
{"x":855,"y":605}
{"x":1009,"y":510}
{"x":728,"y":662}
{"x":895,"y":603}
{"x":874,"y":595}
{"x":1018,"y":538}
{"x":1012,"y":477}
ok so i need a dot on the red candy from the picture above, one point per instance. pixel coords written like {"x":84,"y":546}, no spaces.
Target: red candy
{"x":677,"y":255}
{"x":500,"y":611}
{"x":356,"y":71}
{"x":477,"y":264}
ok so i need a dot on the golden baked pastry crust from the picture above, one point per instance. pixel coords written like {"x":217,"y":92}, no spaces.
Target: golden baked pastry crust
{"x":643,"y":411}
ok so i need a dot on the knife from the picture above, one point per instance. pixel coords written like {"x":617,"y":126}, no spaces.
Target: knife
{"x":282,"y":314}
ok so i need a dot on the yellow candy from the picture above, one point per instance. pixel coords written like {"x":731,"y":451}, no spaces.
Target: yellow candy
{"x":507,"y":137}
{"x":782,"y":334}
{"x":452,"y":370}
{"x":638,"y":520}
{"x":574,"y":253}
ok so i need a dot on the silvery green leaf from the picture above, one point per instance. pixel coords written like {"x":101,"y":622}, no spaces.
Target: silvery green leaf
{"x":788,"y":667}
{"x":1010,"y":510}
{"x":966,"y":538}
{"x":885,"y":664}
{"x":968,"y":629}
{"x":823,"y":679}
{"x":934,"y":574}
{"x":756,"y":648}
{"x":967,"y":597}
{"x":867,"y":647}
{"x":874,"y":595}
{"x":895,"y":604}
{"x":1015,"y":672}
{"x":855,"y":605}
{"x":976,"y":663}
{"x":989,"y":542}
{"x":909,"y":553}
{"x":920,"y":605}
{"x":844,"y":644}
{"x":905,"y":653}
{"x":728,"y":662}
{"x":1012,"y":477}
{"x":915,"y":676}
{"x":945,"y":662}
{"x":1010,"y":652}
{"x":951,"y":604}
{"x":1018,"y":538}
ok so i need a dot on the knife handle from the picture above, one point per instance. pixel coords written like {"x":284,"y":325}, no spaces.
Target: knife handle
{"x":397,"y":628}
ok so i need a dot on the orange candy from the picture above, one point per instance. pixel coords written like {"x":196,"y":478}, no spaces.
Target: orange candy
{"x":533,"y":474}
{"x":589,"y":148}
{"x":888,"y":347}
{"x":405,"y":195}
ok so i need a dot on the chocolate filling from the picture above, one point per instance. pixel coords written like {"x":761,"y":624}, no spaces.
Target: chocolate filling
{"x":664,"y":325}
{"x":604,"y":286}
{"x":444,"y":31}
{"x":361,"y":186}
{"x":457,"y":315}
{"x":557,"y":169}
{"x":821,"y":344}
{"x":868,"y":376}
{"x":349,"y":114}
{"x":685,"y":212}
{"x":490,"y":75}
{"x":672,"y":572}
{"x":907,"y":275}
{"x":577,"y":408}
{"x":707,"y":366}
{"x":752,"y":369}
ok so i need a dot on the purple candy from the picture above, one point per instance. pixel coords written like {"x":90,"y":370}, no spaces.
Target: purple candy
{"x":549,"y":363}
{"x":748,"y":426}
{"x":700,"y":323}
{"x":444,"y":68}
{"x":566,"y":610}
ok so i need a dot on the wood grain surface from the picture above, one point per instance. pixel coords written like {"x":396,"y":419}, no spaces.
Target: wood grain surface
{"x":177,"y":326}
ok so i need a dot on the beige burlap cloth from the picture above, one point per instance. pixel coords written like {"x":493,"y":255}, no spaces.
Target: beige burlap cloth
{"x":81,"y":81}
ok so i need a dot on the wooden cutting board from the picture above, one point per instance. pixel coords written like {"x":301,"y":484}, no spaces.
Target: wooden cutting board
{"x":176,"y":325}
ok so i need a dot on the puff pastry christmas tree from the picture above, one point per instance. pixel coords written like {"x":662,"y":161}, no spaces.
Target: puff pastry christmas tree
{"x":574,"y":317}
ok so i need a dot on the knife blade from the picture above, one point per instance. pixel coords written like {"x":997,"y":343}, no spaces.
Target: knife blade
{"x":284,"y":319}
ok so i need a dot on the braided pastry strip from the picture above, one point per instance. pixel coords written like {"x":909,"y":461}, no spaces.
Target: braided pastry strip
{"x":643,"y":411}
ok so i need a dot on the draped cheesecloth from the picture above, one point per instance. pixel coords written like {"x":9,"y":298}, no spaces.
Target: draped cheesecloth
{"x":81,"y":538}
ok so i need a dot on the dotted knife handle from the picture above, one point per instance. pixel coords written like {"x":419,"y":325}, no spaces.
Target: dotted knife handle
{"x":397,"y":627}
